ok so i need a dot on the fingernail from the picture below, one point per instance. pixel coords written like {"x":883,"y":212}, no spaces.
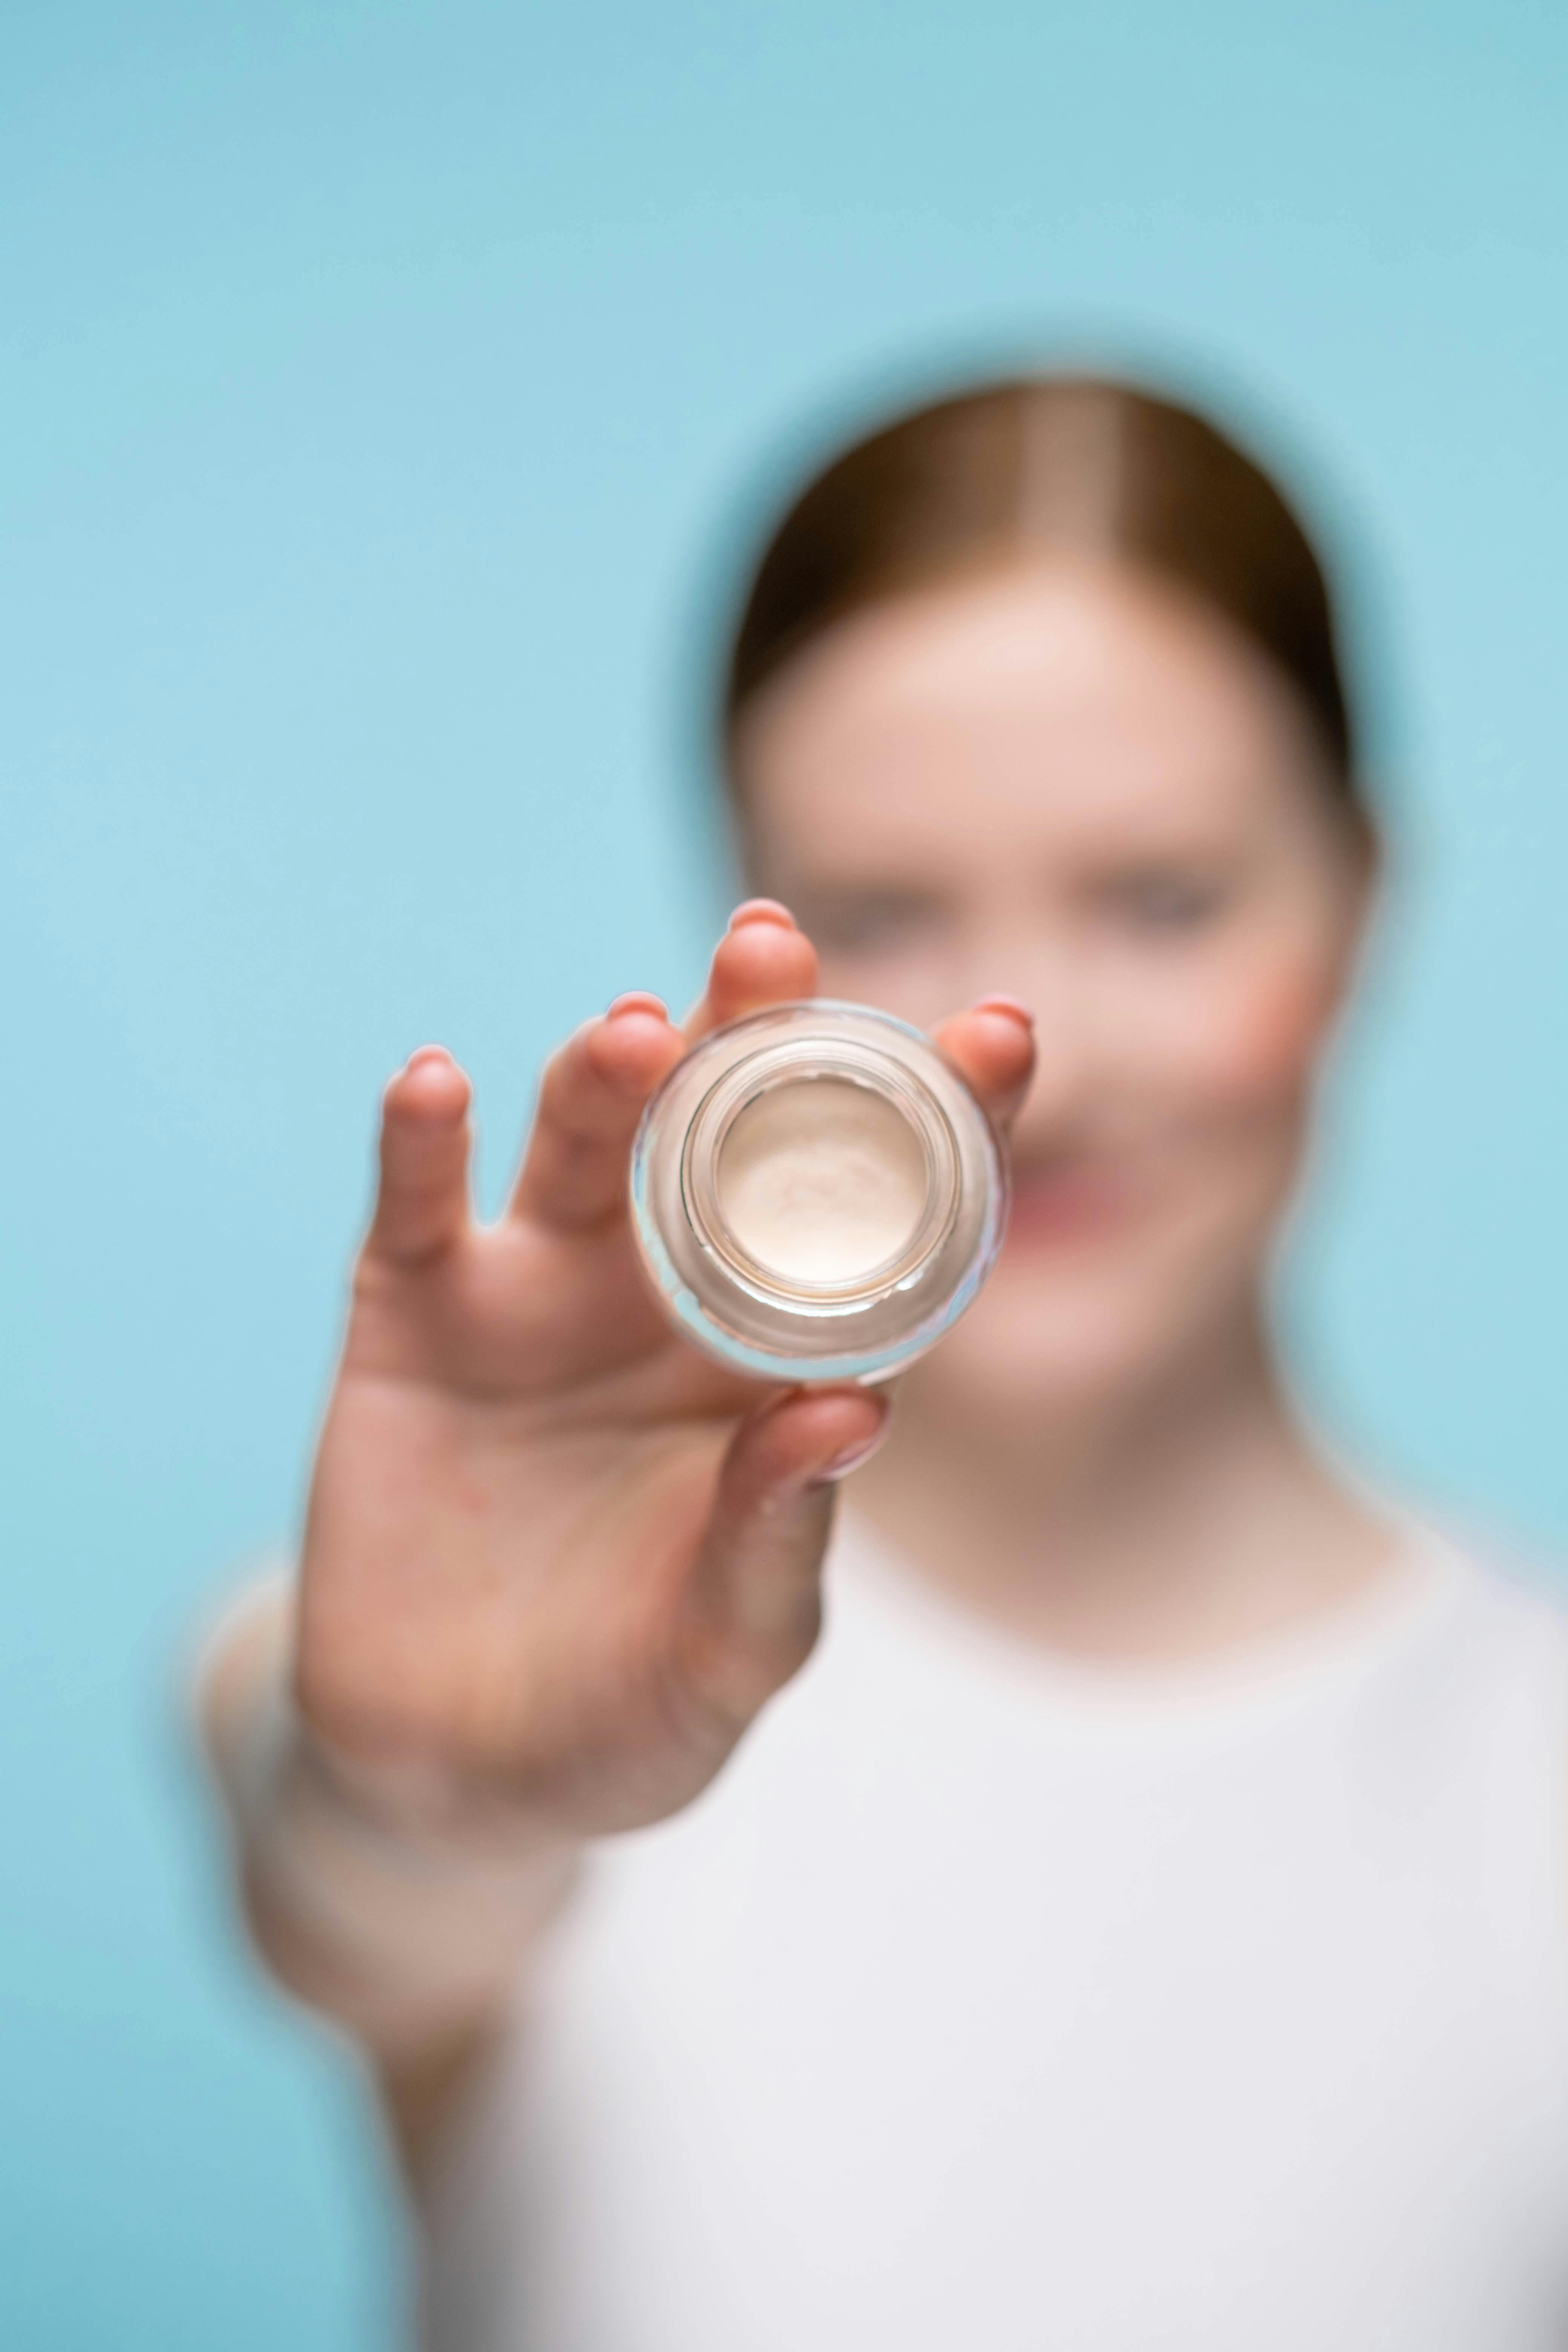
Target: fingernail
{"x":1011,"y":1007}
{"x":427,"y":1054}
{"x":839,"y":1466}
{"x":761,"y":911}
{"x":638,"y":1000}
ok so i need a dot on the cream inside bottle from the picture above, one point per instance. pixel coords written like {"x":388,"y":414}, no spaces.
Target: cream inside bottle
{"x":821,"y":1182}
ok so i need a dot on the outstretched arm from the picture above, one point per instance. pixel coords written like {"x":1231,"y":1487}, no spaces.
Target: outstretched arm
{"x":554,"y":1563}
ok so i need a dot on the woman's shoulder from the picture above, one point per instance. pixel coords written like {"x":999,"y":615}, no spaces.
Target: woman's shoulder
{"x":1496,"y":1654}
{"x":1520,"y":1583}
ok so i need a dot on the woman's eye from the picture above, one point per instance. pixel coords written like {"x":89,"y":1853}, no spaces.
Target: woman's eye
{"x":868,"y":923}
{"x":1169,"y":902}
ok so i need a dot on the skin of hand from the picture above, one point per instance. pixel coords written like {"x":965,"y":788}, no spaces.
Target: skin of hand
{"x":554,"y":1562}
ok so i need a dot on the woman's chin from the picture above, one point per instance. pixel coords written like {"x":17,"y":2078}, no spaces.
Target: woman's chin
{"x":1044,"y":1342}
{"x":1010,"y":1359}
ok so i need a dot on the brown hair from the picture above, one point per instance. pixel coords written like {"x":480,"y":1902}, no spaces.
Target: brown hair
{"x":1053,"y":463}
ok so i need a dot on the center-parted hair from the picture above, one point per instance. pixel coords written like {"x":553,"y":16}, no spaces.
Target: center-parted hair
{"x":1054,"y":464}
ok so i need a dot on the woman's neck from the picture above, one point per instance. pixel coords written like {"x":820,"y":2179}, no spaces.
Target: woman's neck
{"x":1180,"y":1518}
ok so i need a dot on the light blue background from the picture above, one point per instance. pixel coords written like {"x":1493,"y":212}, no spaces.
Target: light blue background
{"x":381,"y":382}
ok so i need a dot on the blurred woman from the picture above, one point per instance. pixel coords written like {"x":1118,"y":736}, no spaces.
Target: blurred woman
{"x":1132,"y":1913}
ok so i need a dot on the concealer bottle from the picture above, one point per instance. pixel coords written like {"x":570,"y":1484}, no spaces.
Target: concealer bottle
{"x":817,"y":1194}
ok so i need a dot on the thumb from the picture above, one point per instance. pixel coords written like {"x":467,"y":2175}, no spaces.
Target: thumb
{"x":756,"y":1596}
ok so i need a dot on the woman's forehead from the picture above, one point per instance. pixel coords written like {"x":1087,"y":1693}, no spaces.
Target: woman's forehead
{"x":1054,"y":702}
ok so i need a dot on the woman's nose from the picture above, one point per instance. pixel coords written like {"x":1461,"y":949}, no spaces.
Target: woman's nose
{"x":1063,"y":1069}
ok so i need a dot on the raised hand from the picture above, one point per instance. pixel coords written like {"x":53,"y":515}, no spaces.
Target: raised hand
{"x":555,"y":1561}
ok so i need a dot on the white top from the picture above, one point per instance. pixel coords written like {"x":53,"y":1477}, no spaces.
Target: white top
{"x":986,"y":2001}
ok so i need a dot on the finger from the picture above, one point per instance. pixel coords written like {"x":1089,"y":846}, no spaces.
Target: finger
{"x":756,"y":1599}
{"x":421,"y":1204}
{"x":763,"y":959}
{"x":574,"y":1169}
{"x":993,"y":1045}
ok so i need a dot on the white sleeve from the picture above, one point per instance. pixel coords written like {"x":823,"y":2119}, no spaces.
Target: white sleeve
{"x":398,"y":1933}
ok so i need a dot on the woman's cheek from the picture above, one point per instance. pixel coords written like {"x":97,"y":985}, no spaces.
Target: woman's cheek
{"x":1247,"y":1036}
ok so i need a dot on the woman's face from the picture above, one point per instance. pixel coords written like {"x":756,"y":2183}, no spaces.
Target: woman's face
{"x":1078,"y":786}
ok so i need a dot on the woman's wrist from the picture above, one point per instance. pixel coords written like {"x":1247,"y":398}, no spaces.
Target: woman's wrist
{"x":397,"y":1910}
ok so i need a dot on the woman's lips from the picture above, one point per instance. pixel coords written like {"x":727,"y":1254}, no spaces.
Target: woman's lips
{"x":1069,"y":1200}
